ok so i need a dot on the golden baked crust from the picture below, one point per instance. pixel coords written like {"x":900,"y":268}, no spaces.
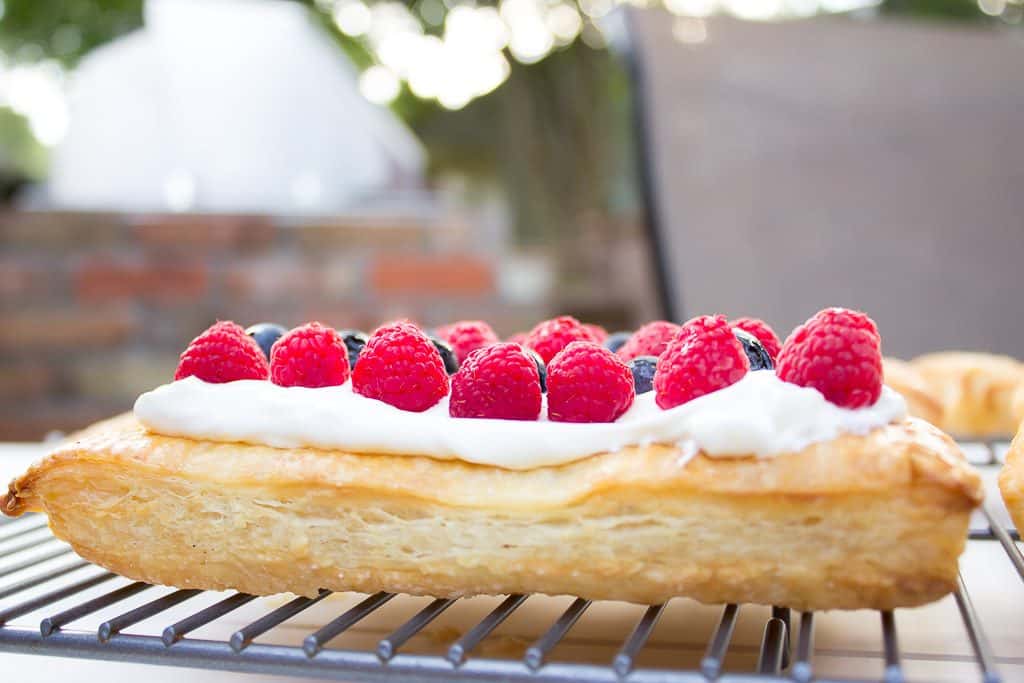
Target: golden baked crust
{"x":873,"y":521}
{"x":921,"y":401}
{"x":976,"y":391}
{"x":1011,"y":480}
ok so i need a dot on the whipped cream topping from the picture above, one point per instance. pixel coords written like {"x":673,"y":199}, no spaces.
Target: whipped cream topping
{"x":760,"y":415}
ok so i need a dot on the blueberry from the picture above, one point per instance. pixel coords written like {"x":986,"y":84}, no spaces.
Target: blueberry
{"x":615,"y":340}
{"x":759,"y":358}
{"x":542,"y":370}
{"x":265,"y":335}
{"x":451,"y":363}
{"x":354,"y":342}
{"x":643,"y":368}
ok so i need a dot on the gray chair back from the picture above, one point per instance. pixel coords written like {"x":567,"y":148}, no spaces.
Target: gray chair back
{"x":872,"y":164}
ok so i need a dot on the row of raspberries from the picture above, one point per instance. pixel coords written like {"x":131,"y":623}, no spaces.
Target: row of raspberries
{"x":589,"y":376}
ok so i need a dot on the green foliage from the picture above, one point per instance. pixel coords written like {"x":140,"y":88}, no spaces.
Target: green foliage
{"x":64,"y":29}
{"x":20,"y":154}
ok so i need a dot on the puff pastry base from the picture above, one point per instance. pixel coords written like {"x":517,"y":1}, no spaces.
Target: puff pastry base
{"x":875,"y":521}
{"x":905,"y":379}
{"x":977,"y":391}
{"x":1011,"y":480}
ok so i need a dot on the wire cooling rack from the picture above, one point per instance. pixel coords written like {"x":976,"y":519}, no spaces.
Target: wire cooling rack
{"x":48,"y":595}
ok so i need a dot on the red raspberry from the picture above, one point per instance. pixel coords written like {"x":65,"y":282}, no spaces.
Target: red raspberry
{"x":762,"y":332}
{"x":588,"y":383}
{"x":517,"y":338}
{"x":703,"y":358}
{"x":649,"y":340}
{"x":839,"y":353}
{"x":400,"y":366}
{"x":498,"y":381}
{"x":600,"y":334}
{"x":551,"y":336}
{"x":223,"y":353}
{"x":309,"y":356}
{"x":466,"y":336}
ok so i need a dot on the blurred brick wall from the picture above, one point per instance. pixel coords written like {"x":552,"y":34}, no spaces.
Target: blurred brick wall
{"x":95,"y":308}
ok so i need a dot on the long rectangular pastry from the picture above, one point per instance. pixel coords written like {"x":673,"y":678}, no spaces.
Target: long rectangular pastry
{"x":760,"y":490}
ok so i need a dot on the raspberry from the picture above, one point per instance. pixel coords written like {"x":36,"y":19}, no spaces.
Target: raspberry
{"x":466,"y":336}
{"x":498,"y":381}
{"x":518,"y":338}
{"x":649,"y":340}
{"x":704,"y":357}
{"x":309,"y":356}
{"x":223,"y":353}
{"x":839,"y":353}
{"x":551,"y":336}
{"x":600,"y":334}
{"x":588,"y":383}
{"x":400,"y":366}
{"x":764,"y":333}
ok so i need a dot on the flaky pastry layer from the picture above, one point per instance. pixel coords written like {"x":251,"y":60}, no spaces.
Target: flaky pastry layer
{"x":875,"y":521}
{"x":1011,"y":480}
{"x":908,"y":382}
{"x":977,"y":391}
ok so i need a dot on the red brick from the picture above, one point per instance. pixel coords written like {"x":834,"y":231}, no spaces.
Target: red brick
{"x":196,"y":231}
{"x":271,"y":280}
{"x":366,"y":233}
{"x":37,"y":329}
{"x":119,"y":374}
{"x":107,"y":280}
{"x":444,"y":274}
{"x":20,"y":381}
{"x":48,"y":229}
{"x":22,"y":279}
{"x":21,"y":421}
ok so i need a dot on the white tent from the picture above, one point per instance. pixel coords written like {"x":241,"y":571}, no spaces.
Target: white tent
{"x":227,"y":105}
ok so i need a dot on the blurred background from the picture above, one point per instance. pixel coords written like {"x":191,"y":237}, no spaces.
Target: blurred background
{"x":164,"y":163}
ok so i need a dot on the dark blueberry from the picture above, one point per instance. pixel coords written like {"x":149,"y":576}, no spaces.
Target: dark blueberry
{"x":451,"y":363}
{"x":265,"y":335}
{"x":354,"y":342}
{"x":615,"y":340}
{"x":759,"y":358}
{"x":643,"y":368}
{"x":541,"y":368}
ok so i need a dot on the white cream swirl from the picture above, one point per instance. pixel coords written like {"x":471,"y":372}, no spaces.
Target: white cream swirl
{"x":759,"y":415}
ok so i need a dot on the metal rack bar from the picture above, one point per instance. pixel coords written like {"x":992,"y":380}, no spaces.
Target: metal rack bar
{"x":463,"y":646}
{"x":53,"y":596}
{"x":784,"y":614}
{"x":773,"y":642}
{"x":55,"y":622}
{"x":21,"y":527}
{"x":241,"y":638}
{"x":623,"y":661}
{"x":34,"y":581}
{"x":893,"y":671}
{"x":151,"y":608}
{"x":982,"y":650}
{"x":536,"y":653}
{"x":315,"y":641}
{"x":180,"y":629}
{"x":31,"y":562}
{"x":28,"y":545}
{"x":802,"y":670}
{"x":1004,"y":539}
{"x":387,"y":647}
{"x":711,"y":665}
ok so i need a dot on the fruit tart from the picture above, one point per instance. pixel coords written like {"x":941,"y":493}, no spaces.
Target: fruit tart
{"x":718,"y":470}
{"x":976,"y":390}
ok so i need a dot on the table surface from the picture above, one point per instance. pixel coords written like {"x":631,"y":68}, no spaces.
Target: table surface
{"x":932,"y":638}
